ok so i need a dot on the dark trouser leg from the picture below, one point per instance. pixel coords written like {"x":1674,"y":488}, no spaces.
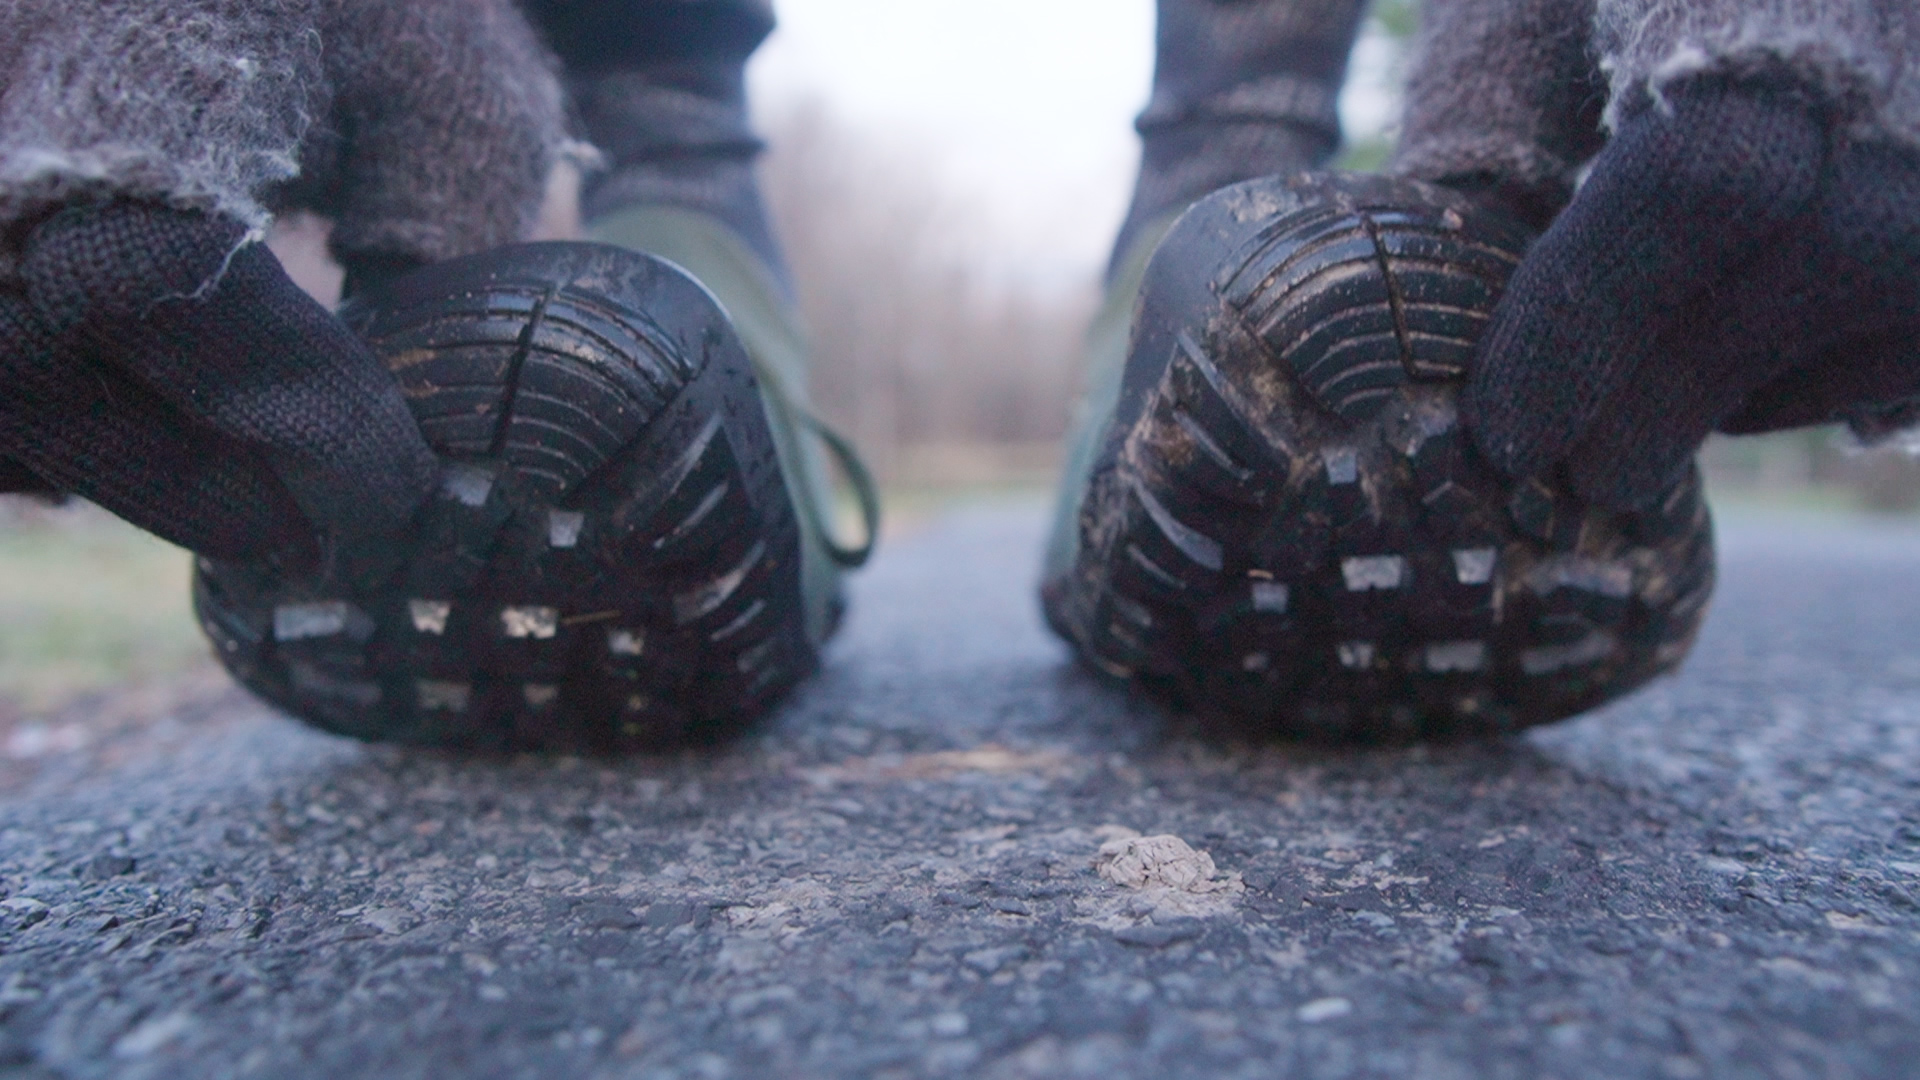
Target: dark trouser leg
{"x":1241,"y":88}
{"x":659,"y":86}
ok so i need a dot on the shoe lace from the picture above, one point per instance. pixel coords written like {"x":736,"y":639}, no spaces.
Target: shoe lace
{"x":859,"y":478}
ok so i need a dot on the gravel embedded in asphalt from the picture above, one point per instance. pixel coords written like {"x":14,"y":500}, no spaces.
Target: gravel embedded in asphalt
{"x":903,"y":875}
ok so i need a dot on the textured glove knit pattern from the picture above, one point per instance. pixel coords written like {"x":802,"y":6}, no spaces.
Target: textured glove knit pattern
{"x":77,"y":425}
{"x":1707,"y":184}
{"x":173,"y":373}
{"x":252,"y":356}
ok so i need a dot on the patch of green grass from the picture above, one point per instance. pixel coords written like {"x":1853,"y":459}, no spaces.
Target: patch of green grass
{"x":1813,"y":501}
{"x":1367,"y":155}
{"x":88,"y":602}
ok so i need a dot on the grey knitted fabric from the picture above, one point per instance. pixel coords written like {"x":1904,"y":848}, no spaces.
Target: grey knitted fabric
{"x":1503,"y":93}
{"x":660,"y":89}
{"x":1864,"y":53}
{"x":1511,"y":92}
{"x":665,"y":143}
{"x":426,"y":128}
{"x":1241,"y":88}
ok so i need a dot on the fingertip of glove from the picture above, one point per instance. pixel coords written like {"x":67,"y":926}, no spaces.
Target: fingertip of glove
{"x":1514,"y":423}
{"x":1488,"y":416}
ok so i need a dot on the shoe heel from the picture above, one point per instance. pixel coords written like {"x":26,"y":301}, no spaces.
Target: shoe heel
{"x":611,"y":561}
{"x":1287,"y":528}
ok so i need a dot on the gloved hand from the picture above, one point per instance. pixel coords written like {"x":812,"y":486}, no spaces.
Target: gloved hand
{"x":156,"y":360}
{"x":1742,"y":253}
{"x":1730,"y":262}
{"x":164,"y":366}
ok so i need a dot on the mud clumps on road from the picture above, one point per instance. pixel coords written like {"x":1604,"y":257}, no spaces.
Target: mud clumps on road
{"x":1141,"y":862}
{"x":1164,"y":878}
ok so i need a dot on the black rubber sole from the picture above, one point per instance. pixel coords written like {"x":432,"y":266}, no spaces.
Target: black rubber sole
{"x":1287,"y":530}
{"x":612,"y":560}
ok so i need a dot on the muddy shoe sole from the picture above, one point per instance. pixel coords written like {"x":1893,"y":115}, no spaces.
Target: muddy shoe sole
{"x":611,"y":561}
{"x":1286,"y":529}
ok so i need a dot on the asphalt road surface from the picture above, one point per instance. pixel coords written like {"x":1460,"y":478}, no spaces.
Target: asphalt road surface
{"x":898,"y":876}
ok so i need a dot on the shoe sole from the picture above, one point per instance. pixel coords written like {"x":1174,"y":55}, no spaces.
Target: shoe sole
{"x":611,"y":561}
{"x":1287,"y":530}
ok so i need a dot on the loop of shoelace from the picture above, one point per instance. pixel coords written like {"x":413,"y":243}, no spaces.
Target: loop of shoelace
{"x":858,"y":477}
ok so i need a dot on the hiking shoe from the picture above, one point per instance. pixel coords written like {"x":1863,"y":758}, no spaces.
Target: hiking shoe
{"x":1273,"y":517}
{"x":614,"y":557}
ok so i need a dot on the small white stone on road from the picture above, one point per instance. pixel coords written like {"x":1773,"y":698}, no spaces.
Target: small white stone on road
{"x":989,"y":961}
{"x":151,"y":1035}
{"x":389,"y":920}
{"x":949,"y":1024}
{"x":1327,"y":1008}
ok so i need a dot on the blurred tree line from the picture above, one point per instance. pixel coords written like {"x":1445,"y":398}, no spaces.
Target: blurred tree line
{"x":945,"y":374}
{"x":939,"y":371}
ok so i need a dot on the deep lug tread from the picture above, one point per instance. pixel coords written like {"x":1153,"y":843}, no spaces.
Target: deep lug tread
{"x":1302,"y":438}
{"x":607,"y":454}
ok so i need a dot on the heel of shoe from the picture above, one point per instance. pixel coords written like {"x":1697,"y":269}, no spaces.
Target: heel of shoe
{"x":611,"y":561}
{"x":1286,"y":528}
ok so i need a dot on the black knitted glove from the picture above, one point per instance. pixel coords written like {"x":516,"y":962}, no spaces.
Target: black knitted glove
{"x":1730,"y":262}
{"x":160,"y":364}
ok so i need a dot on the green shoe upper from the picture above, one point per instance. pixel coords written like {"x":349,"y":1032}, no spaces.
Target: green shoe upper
{"x":770,"y":328}
{"x":1106,"y":360}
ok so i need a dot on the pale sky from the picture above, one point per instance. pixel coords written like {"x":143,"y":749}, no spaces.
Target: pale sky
{"x":1024,"y":106}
